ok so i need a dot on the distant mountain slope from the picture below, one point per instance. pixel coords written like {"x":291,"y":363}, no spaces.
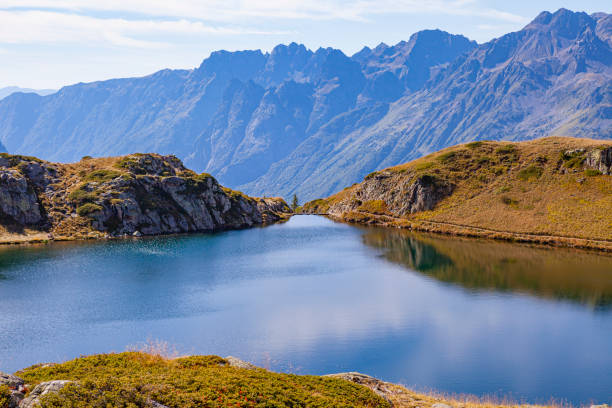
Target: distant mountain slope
{"x":298,"y":121}
{"x":9,"y":90}
{"x":552,"y":77}
{"x":234,"y":116}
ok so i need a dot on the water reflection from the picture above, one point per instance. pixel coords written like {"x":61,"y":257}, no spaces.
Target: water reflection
{"x":578,"y":276}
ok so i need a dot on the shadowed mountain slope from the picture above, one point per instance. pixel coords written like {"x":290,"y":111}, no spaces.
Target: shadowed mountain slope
{"x":298,"y":121}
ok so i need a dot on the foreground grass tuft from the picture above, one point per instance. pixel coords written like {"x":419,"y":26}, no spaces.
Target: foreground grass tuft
{"x":132,"y":379}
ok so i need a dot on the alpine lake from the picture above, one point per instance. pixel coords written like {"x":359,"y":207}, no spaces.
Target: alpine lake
{"x":312,"y":296}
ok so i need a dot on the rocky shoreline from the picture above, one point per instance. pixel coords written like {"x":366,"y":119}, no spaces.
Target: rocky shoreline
{"x":134,"y":195}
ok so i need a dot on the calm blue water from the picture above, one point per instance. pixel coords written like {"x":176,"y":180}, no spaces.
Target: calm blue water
{"x":315,"y":297}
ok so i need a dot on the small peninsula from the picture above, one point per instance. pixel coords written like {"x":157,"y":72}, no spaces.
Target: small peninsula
{"x":553,"y":190}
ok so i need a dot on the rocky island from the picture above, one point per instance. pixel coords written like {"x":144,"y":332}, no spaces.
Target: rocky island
{"x":553,"y":190}
{"x":138,"y":194}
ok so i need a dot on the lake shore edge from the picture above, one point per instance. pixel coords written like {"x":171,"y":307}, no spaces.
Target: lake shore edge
{"x":84,"y":379}
{"x":467,"y":231}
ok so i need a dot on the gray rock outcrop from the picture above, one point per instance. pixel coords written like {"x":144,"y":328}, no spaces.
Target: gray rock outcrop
{"x":600,"y":160}
{"x":18,"y":201}
{"x":11,"y":381}
{"x":139,"y":194}
{"x":40,"y":390}
{"x":401,"y":194}
{"x":238,"y":363}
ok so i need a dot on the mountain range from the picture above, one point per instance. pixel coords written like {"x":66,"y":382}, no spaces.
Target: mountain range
{"x":9,"y":90}
{"x":312,"y":122}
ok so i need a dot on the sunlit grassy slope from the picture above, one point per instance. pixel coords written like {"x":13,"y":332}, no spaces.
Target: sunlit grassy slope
{"x":542,"y":187}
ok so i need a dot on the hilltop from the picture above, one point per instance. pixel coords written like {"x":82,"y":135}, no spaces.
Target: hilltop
{"x":137,"y":194}
{"x":137,"y":379}
{"x":550,"y":190}
{"x":310,"y":122}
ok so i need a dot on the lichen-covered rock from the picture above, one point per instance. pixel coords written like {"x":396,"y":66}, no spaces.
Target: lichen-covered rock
{"x":378,"y":386}
{"x":41,"y":389}
{"x":273,"y":209}
{"x":11,"y":381}
{"x":238,"y":363}
{"x":600,"y":160}
{"x":16,"y":386}
{"x":18,"y":200}
{"x":154,"y":404}
{"x":394,"y":193}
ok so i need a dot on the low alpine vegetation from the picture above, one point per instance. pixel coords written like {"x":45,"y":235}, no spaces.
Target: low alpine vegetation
{"x":134,"y":379}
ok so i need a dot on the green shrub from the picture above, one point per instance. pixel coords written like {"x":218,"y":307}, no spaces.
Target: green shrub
{"x":87,"y":209}
{"x":530,"y":172}
{"x":374,"y":207}
{"x":507,"y":149}
{"x":592,"y":172}
{"x":573,"y":160}
{"x":86,"y":158}
{"x":499,"y":170}
{"x":474,"y":145}
{"x":203,"y":177}
{"x":81,"y":196}
{"x":484,"y":160}
{"x":428,"y":179}
{"x":508,"y":201}
{"x":424,"y":166}
{"x":130,"y":379}
{"x":446,"y":157}
{"x":371,"y":175}
{"x":131,"y":164}
{"x":15,"y":159}
{"x":102,"y":175}
{"x":5,"y":396}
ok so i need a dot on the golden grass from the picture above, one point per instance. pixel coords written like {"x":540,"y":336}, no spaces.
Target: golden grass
{"x":523,"y":190}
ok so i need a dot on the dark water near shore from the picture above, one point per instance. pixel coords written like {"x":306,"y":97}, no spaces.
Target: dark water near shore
{"x":315,"y":297}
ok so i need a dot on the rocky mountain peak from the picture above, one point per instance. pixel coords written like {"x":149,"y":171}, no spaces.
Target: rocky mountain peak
{"x":411,"y":61}
{"x":562,"y":23}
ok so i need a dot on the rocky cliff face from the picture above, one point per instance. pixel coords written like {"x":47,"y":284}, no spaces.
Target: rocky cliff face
{"x":141,"y":194}
{"x":387,"y":192}
{"x":600,"y":160}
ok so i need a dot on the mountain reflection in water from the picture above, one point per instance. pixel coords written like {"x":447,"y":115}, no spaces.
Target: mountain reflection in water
{"x":555,"y":273}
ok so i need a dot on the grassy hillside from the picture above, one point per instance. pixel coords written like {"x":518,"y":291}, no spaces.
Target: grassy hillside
{"x":137,"y":379}
{"x":548,"y":190}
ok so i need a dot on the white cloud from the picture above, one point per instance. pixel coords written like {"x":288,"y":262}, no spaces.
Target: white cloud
{"x":18,"y":27}
{"x":233,"y":10}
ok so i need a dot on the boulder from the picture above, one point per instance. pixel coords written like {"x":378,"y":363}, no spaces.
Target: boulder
{"x":154,"y":404}
{"x":18,"y":199}
{"x":601,"y":160}
{"x":238,"y":363}
{"x":41,"y":389}
{"x":11,"y":381}
{"x":17,"y":387}
{"x":440,"y":405}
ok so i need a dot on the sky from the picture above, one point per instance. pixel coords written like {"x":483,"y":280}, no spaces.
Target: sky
{"x":52,"y":43}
